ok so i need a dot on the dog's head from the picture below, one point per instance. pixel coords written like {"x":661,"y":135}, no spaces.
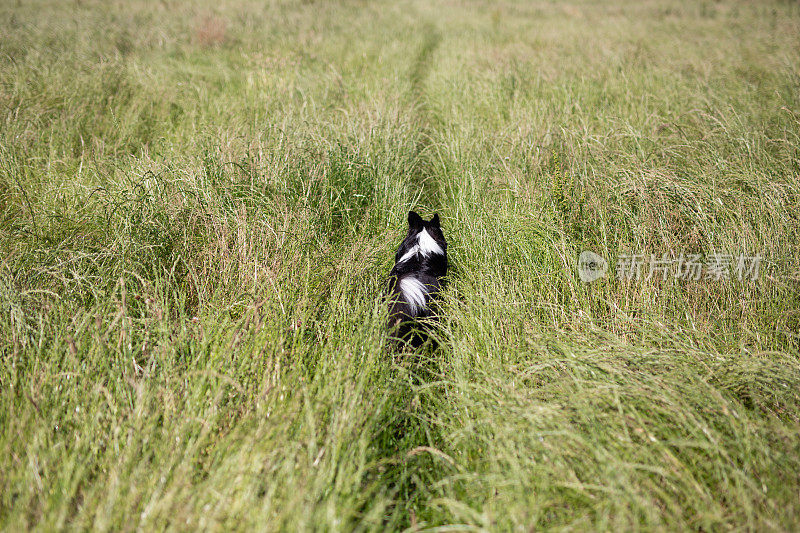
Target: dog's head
{"x":424,"y":238}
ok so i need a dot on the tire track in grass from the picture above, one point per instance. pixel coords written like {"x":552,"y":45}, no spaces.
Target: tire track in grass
{"x":423,"y":172}
{"x":407,"y":442}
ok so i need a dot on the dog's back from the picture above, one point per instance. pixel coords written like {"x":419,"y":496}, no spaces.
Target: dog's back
{"x":417,"y":277}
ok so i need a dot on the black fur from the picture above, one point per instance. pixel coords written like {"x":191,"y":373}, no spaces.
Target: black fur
{"x":428,"y":269}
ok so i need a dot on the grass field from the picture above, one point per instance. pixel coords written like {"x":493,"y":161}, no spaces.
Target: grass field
{"x":200,"y":202}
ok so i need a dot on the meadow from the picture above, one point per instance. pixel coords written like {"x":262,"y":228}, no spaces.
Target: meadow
{"x":200,"y":203}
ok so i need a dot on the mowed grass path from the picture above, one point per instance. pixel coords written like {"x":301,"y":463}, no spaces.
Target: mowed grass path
{"x":200,"y":201}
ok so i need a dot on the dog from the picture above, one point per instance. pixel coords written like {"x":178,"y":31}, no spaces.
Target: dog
{"x":416,"y":279}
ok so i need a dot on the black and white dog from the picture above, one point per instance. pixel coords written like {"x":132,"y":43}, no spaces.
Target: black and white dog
{"x":417,"y":277}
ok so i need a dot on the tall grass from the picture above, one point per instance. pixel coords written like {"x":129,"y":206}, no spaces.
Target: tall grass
{"x":199,"y":203}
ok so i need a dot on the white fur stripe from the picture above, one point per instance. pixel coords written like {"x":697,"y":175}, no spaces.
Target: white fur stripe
{"x":409,"y":254}
{"x":414,"y":293}
{"x":427,"y":245}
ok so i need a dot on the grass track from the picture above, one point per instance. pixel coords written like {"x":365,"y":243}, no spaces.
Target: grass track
{"x":199,"y":203}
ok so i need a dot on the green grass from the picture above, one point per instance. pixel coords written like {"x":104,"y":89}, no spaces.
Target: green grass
{"x":200,"y":202}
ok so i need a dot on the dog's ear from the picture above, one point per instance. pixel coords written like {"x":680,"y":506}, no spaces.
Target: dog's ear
{"x":414,"y":220}
{"x":435,"y":220}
